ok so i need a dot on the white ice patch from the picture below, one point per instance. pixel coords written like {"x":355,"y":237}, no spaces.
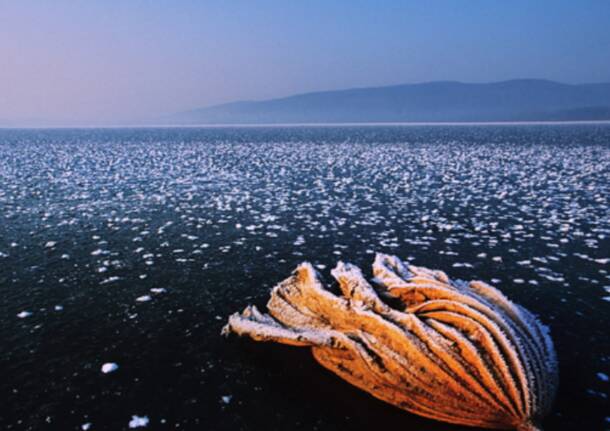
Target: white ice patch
{"x":143,"y":298}
{"x":110,"y":280}
{"x":462,"y":265}
{"x":24,"y":314}
{"x":138,"y":421}
{"x":109,"y":367}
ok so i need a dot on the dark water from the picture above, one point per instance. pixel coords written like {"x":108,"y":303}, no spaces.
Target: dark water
{"x":210,"y":219}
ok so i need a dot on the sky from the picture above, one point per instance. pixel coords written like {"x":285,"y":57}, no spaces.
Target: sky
{"x":116,"y":62}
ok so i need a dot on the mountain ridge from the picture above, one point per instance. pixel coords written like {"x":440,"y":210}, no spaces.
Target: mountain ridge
{"x":435,"y":101}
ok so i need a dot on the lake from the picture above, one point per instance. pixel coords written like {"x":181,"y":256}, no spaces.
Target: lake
{"x":130,"y":248}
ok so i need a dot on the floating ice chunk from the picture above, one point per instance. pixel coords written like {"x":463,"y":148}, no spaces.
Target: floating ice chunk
{"x":226,"y":399}
{"x":138,"y":421}
{"x":110,"y":280}
{"x":462,"y":265}
{"x":555,"y":279}
{"x":518,"y":280}
{"x":109,"y":367}
{"x":24,"y":314}
{"x":143,"y":298}
{"x":603,"y":261}
{"x":58,"y":307}
{"x":50,"y":244}
{"x":86,"y":426}
{"x":597,"y":394}
{"x":603,"y":377}
{"x":97,"y":252}
{"x":158,"y":290}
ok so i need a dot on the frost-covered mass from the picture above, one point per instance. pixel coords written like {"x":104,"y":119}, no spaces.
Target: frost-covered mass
{"x":454,"y":351}
{"x":144,"y":237}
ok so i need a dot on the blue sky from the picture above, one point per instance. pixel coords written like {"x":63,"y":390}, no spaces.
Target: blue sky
{"x":121,"y":61}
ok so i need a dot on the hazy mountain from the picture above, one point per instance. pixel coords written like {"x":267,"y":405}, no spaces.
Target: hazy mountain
{"x":516,"y":100}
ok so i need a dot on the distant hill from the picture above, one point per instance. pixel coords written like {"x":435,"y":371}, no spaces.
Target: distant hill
{"x":515,"y":100}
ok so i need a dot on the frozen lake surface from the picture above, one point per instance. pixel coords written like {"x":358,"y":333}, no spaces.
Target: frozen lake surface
{"x":122,"y":252}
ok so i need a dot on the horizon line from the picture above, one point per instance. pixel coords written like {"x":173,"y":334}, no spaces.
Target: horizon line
{"x":280,"y":125}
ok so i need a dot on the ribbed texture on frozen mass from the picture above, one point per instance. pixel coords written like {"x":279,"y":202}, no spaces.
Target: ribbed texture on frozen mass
{"x":455,"y":351}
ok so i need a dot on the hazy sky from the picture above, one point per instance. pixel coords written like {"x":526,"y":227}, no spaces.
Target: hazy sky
{"x":120,"y":61}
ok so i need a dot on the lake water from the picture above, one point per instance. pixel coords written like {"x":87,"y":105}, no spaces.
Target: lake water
{"x":132,"y":246}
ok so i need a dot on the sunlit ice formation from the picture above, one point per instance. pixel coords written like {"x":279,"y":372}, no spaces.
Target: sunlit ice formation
{"x":454,"y":351}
